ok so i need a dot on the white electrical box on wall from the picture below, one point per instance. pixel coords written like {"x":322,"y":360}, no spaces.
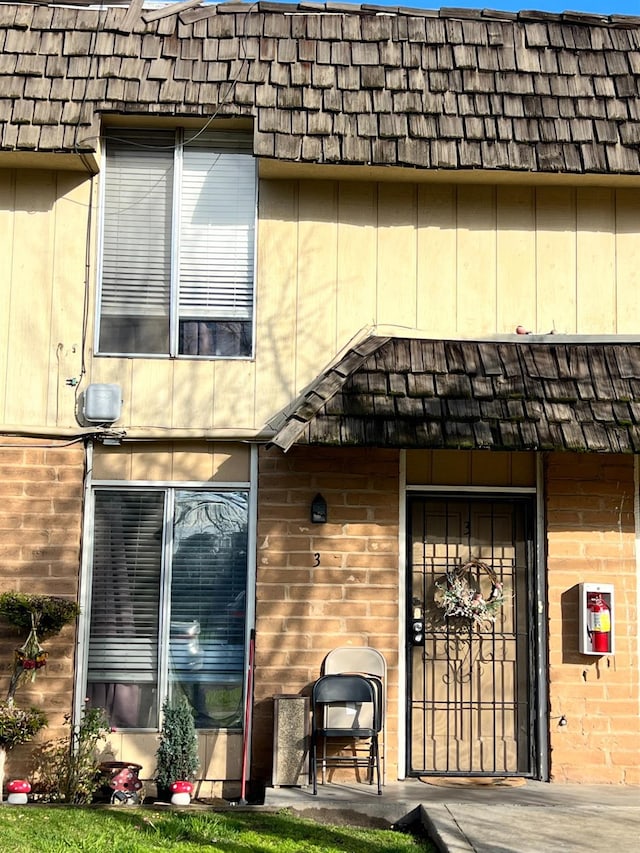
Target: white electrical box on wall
{"x":102,"y":403}
{"x":597,"y":619}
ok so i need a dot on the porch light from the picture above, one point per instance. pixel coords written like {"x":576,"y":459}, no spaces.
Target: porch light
{"x":318,"y":510}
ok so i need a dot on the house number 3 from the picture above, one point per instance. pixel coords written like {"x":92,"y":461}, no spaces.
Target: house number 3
{"x":316,"y":559}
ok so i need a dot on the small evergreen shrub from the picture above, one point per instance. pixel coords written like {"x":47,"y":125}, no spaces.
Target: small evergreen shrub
{"x":177,"y":755}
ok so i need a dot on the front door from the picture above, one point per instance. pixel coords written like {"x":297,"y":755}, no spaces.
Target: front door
{"x":470,"y":636}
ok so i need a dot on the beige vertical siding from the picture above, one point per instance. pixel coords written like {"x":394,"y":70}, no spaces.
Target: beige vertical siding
{"x":43,"y":227}
{"x":476,"y":253}
{"x":595,"y":261}
{"x":356,"y":261}
{"x":220,"y":755}
{"x":27,"y":396}
{"x":277,"y":295}
{"x":314,"y":320}
{"x":173,"y":461}
{"x":437,"y":297}
{"x":627,"y":254}
{"x":451,"y":261}
{"x":555,"y":263}
{"x":516,"y":291}
{"x":7,"y":243}
{"x":470,"y":468}
{"x":396,"y":256}
{"x":333,"y":259}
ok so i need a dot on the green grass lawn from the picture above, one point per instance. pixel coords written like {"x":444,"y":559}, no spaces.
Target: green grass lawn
{"x":60,"y":829}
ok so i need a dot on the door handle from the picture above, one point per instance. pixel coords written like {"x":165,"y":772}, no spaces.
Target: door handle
{"x":416,"y":626}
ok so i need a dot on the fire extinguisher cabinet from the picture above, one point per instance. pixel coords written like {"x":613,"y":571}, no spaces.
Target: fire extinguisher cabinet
{"x":597,"y":619}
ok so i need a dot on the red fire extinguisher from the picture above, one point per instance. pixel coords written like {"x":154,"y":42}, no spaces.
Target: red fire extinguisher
{"x":599,"y":623}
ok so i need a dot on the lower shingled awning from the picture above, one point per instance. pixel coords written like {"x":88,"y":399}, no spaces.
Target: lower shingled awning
{"x":526,"y":394}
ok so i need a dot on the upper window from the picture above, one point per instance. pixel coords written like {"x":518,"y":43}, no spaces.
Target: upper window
{"x":178,"y":244}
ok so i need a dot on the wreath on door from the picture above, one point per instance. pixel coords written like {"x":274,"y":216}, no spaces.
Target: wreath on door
{"x":461,"y":597}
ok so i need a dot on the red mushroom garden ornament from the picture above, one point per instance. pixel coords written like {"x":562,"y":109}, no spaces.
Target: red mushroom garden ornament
{"x":18,"y":790}
{"x":181,"y":792}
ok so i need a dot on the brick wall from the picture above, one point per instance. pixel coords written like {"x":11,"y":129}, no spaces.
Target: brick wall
{"x":350,"y":598}
{"x":41,"y":490}
{"x":591,"y":538}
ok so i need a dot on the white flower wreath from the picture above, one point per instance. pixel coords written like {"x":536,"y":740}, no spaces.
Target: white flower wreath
{"x":463,"y":600}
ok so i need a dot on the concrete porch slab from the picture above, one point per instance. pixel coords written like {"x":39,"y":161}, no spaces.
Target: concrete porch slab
{"x":535,"y":818}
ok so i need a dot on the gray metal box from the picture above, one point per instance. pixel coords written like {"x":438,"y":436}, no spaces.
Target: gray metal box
{"x":290,"y":740}
{"x":102,"y":403}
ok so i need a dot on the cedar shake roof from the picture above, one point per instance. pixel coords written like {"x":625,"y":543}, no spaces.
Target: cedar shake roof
{"x":525,"y":395}
{"x":333,"y":83}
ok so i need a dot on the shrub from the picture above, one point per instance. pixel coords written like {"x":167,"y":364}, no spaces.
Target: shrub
{"x":68,"y":768}
{"x":19,"y":725}
{"x":43,"y":615}
{"x":49,"y":613}
{"x":177,"y":755}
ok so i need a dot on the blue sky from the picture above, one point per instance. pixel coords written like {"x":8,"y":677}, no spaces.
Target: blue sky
{"x":597,"y":7}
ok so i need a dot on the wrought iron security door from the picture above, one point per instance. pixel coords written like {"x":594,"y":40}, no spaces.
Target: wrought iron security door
{"x":471,"y":690}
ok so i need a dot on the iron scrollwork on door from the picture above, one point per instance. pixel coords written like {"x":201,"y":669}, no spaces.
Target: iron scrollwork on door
{"x":465,"y":656}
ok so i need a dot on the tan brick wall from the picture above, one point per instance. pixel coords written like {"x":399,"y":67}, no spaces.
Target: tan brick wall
{"x":41,"y":492}
{"x":591,"y":538}
{"x":351,"y":598}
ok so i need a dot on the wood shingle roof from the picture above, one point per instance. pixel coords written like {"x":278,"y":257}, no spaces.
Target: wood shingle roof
{"x":332,"y":83}
{"x":521,"y":395}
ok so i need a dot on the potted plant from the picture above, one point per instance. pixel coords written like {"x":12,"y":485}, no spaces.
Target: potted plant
{"x":51,"y":612}
{"x":43,"y":615}
{"x":17,"y":725}
{"x":177,"y":755}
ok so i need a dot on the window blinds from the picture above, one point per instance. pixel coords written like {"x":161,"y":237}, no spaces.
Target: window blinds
{"x":217,"y":225}
{"x":179,"y":228}
{"x":136,"y":260}
{"x":125,"y":600}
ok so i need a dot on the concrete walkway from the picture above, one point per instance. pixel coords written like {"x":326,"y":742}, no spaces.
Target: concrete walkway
{"x":534,"y":818}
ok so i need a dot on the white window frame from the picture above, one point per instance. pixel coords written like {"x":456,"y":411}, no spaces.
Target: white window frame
{"x":163,"y":641}
{"x":173,"y":306}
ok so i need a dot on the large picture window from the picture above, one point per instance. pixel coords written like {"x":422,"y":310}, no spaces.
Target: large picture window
{"x":168,"y":591}
{"x":177,"y":244}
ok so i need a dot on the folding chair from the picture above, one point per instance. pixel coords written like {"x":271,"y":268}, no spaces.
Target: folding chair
{"x":346,"y":707}
{"x":363,"y":660}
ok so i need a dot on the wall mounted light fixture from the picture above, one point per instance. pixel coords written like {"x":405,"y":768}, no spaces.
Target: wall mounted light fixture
{"x":318,"y":510}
